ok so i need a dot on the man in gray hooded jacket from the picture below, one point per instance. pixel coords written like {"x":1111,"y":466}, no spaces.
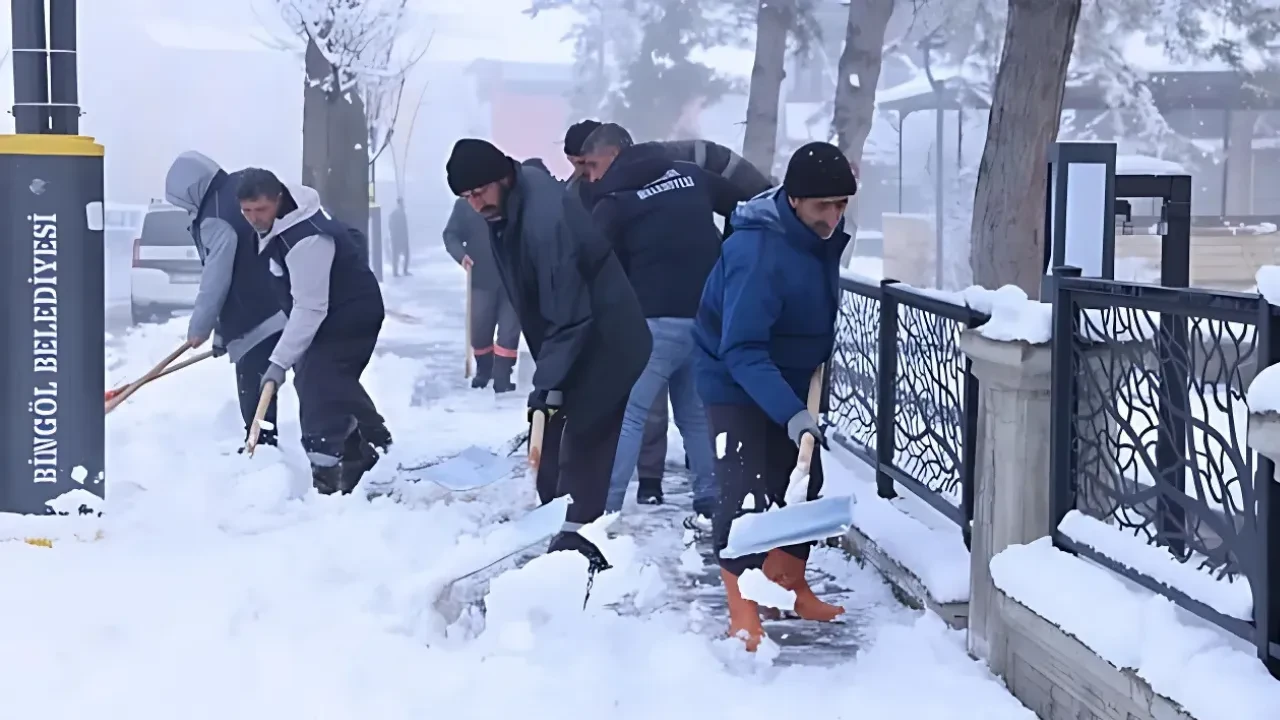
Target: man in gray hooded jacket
{"x":325,"y":286}
{"x":235,"y":304}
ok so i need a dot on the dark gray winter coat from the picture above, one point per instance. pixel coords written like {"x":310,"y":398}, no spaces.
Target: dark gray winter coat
{"x":466,"y":234}
{"x":581,"y":318}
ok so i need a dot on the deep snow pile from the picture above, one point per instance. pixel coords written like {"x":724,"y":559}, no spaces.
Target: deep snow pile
{"x":224,"y":589}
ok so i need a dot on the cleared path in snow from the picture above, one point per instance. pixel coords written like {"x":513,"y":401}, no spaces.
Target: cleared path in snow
{"x":223,"y":588}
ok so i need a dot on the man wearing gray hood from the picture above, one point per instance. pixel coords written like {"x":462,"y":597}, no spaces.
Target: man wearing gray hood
{"x":235,"y":304}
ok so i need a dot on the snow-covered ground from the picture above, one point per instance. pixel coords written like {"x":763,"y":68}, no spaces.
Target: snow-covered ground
{"x":222,"y":587}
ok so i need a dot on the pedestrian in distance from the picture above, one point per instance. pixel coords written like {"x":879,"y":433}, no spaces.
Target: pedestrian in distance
{"x":398,"y":226}
{"x":335,"y":312}
{"x":652,"y":465}
{"x":766,"y":323}
{"x":235,"y":304}
{"x":581,"y":321}
{"x":658,"y":216}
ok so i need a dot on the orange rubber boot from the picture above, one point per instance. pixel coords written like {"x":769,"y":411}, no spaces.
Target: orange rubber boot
{"x":744,"y":615}
{"x":787,"y":570}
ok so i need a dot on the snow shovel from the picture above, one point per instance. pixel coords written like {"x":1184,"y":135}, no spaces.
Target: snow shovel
{"x":114,"y":402}
{"x":466,"y":372}
{"x":798,"y":487}
{"x":255,"y":429}
{"x":791,"y":525}
{"x":471,"y":469}
{"x":167,"y":371}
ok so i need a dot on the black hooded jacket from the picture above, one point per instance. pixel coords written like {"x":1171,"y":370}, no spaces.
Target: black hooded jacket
{"x":733,"y":179}
{"x":580,"y":317}
{"x":658,"y":216}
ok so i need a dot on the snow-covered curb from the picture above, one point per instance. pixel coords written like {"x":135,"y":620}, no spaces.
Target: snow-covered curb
{"x":1233,"y":599}
{"x":937,"y":557}
{"x":1210,"y":673}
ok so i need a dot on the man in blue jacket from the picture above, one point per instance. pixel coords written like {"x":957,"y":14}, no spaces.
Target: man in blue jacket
{"x":765,"y":324}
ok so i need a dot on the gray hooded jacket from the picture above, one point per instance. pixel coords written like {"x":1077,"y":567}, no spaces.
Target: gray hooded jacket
{"x":186,"y":185}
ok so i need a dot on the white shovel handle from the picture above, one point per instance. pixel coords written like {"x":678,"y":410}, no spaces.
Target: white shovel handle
{"x":798,"y":487}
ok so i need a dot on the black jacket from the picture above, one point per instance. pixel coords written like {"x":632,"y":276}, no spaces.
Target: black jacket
{"x":658,"y":216}
{"x":734,"y":180}
{"x":466,"y":234}
{"x":250,"y":300}
{"x":580,"y":317}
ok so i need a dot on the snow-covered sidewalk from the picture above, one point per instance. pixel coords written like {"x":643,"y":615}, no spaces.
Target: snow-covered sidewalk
{"x":222,"y":588}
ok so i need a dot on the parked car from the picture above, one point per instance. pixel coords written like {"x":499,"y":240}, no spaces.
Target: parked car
{"x":166,"y":267}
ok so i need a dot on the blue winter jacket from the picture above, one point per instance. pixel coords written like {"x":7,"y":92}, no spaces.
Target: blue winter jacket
{"x":767,"y":317}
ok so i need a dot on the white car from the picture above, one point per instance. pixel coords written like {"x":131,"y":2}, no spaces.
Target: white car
{"x":166,"y":266}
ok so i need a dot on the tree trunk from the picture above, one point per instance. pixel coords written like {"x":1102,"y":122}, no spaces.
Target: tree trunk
{"x":335,"y":160}
{"x":760,"y":139}
{"x":1007,"y":238}
{"x":858,"y":78}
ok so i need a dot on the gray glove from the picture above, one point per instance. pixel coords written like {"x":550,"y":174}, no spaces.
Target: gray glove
{"x":801,"y":424}
{"x":274,"y":374}
{"x":219,"y":345}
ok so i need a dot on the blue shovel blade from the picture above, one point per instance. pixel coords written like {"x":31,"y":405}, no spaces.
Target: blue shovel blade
{"x":470,"y":469}
{"x":791,"y":525}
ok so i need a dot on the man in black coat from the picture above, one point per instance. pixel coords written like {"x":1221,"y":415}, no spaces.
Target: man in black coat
{"x":580,"y":317}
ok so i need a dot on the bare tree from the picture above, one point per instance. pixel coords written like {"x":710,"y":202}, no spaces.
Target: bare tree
{"x":1007,"y":236}
{"x":858,"y":77}
{"x":349,"y":61}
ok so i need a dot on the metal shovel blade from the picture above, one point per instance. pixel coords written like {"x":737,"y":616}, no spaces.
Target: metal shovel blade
{"x":791,"y":525}
{"x":471,"y":469}
{"x":510,"y":538}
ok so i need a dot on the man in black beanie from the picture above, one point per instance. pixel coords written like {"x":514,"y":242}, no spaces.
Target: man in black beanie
{"x":574,"y":137}
{"x":580,"y":318}
{"x":766,"y":323}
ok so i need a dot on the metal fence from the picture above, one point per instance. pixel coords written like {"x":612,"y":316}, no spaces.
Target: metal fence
{"x":1149,"y":434}
{"x":901,"y":394}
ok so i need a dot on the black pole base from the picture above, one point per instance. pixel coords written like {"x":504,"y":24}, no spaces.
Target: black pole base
{"x":52,"y":370}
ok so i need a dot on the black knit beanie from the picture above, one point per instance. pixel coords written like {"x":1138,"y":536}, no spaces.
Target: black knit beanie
{"x":819,"y":170}
{"x":474,"y":164}
{"x":577,"y":135}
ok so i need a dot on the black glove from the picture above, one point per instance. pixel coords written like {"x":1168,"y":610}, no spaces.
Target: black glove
{"x":218,"y":349}
{"x":545,"y":401}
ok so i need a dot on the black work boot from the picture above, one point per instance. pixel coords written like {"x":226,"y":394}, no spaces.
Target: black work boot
{"x":502,"y":367}
{"x":649,"y":491}
{"x":326,"y":480}
{"x":358,"y":458}
{"x":376,"y":435}
{"x":484,"y":371}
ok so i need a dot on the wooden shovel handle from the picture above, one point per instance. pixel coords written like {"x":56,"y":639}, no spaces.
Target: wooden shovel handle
{"x":804,"y":459}
{"x":264,"y":402}
{"x":467,"y":370}
{"x":537,"y":430}
{"x":152,"y":374}
{"x":167,"y":371}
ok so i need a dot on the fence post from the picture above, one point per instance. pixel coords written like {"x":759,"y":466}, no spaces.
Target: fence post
{"x":1264,"y":438}
{"x":886,"y":391}
{"x":1011,"y":478}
